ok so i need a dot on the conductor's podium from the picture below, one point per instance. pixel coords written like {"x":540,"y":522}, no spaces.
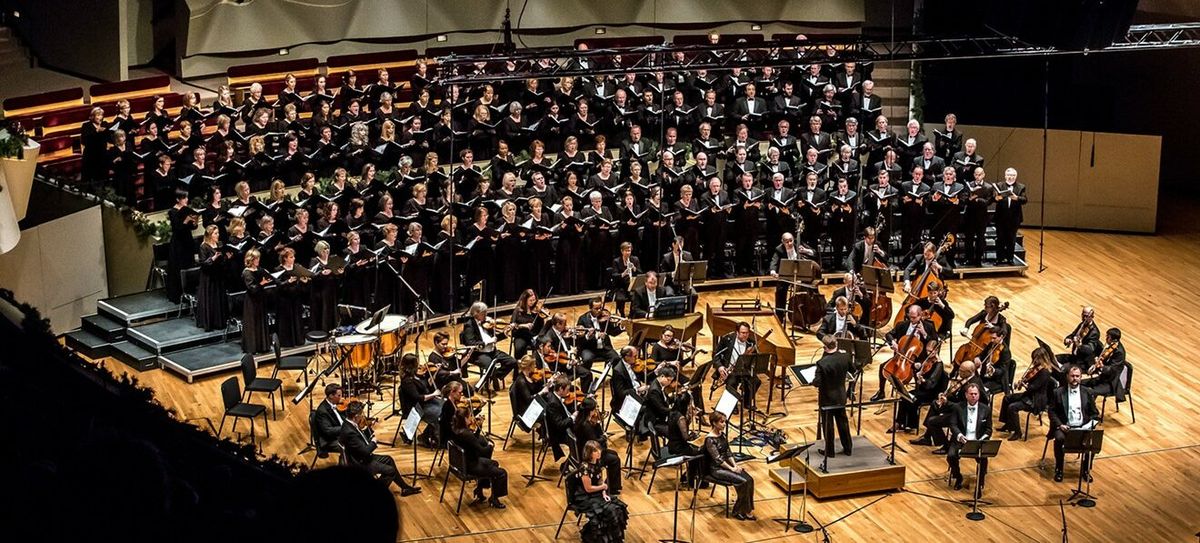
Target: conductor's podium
{"x":867,"y":471}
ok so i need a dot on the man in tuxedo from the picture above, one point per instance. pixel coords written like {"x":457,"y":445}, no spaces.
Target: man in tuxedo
{"x":913,"y":325}
{"x":637,"y":148}
{"x":786,"y":250}
{"x":623,"y":269}
{"x":1084,"y":351}
{"x":786,"y":107}
{"x":1073,"y":407}
{"x":817,"y":139}
{"x":930,"y":164}
{"x":646,"y":297}
{"x":865,"y":105}
{"x":750,"y":109}
{"x":750,"y":207}
{"x":946,"y":202}
{"x":928,"y":260}
{"x":1107,"y":375}
{"x":810,"y":199}
{"x":558,"y":418}
{"x":949,"y":141}
{"x":715,"y":203}
{"x":972,"y":421}
{"x":781,"y":207}
{"x":967,"y":160}
{"x":624,"y":380}
{"x":655,"y":405}
{"x":475,"y":333}
{"x":598,"y":344}
{"x":358,"y":442}
{"x":1010,"y":198}
{"x":830,"y":380}
{"x":865,"y":250}
{"x":979,"y":198}
{"x":327,"y":422}
{"x":669,"y":266}
{"x":840,"y":323}
{"x":710,"y":112}
{"x":730,"y":348}
{"x":914,"y":194}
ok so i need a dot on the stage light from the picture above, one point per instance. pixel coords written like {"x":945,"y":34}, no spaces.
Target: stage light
{"x":756,"y":27}
{"x":601,"y":30}
{"x":283,"y":52}
{"x":442,"y":37}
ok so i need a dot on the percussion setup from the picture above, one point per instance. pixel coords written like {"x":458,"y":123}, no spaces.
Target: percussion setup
{"x":369,"y":350}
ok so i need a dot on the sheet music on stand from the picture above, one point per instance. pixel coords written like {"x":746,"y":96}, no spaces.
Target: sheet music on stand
{"x":530,"y":417}
{"x":799,"y":272}
{"x":690,"y":272}
{"x":599,"y":380}
{"x":487,"y":373}
{"x":630,"y":408}
{"x":636,"y":282}
{"x":726,"y":404}
{"x":411,"y":422}
{"x":805,"y":373}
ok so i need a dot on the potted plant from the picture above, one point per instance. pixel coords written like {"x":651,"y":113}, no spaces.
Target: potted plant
{"x":18,"y":160}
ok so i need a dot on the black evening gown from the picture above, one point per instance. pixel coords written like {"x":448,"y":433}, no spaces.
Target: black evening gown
{"x":357,"y":281}
{"x":210,"y":295}
{"x":567,"y":256}
{"x":289,"y":309}
{"x":512,"y":260}
{"x":607,"y":519}
{"x":447,"y":267}
{"x":322,"y":305}
{"x":254,"y":312}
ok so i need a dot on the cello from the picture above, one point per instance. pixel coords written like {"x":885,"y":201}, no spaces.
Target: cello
{"x":909,"y":349}
{"x":920,"y":288}
{"x":981,"y":338}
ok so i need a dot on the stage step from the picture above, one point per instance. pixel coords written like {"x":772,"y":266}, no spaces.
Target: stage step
{"x":172,"y":335}
{"x":104,"y":327}
{"x":134,"y":356}
{"x":88,"y":344}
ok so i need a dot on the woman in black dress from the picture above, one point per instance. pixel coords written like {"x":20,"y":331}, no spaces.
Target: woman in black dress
{"x":124,"y":166}
{"x":254,"y":306}
{"x":656,"y":230}
{"x":589,"y":427}
{"x":525,"y":385}
{"x":289,"y":307}
{"x":210,"y":296}
{"x":481,"y":257}
{"x":445,"y":267}
{"x":478,"y":452}
{"x":94,"y":137}
{"x":541,"y":247}
{"x":359,"y":275}
{"x":390,"y":262}
{"x":417,"y":390}
{"x":528,"y":319}
{"x":570,"y":244}
{"x":416,"y":270}
{"x":182,"y":252}
{"x":511,"y":256}
{"x":724,"y":468}
{"x":322,"y":306}
{"x":687,"y":225}
{"x":607,"y":515}
{"x":679,"y":437}
{"x":301,"y":236}
{"x":214,"y":212}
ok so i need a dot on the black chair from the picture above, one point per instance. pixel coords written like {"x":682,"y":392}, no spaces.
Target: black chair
{"x":458,"y":467}
{"x":1126,"y":382}
{"x":231,"y":397}
{"x":190,"y":279}
{"x":708,"y":477}
{"x":157,"y":276}
{"x":322,"y":450}
{"x":288,"y":363}
{"x":573,"y":487}
{"x":573,"y":456}
{"x":234,"y":301}
{"x":254,"y":383}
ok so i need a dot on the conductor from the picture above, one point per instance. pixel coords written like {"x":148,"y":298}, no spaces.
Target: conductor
{"x":830,"y":381}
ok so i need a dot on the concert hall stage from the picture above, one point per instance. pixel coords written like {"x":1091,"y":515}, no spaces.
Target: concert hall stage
{"x":865,"y":472}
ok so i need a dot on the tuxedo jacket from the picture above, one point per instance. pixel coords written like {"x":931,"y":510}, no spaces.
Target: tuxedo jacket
{"x":641,"y":301}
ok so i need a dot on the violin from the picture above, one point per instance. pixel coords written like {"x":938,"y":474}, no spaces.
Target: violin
{"x":538,"y":375}
{"x":497,"y":325}
{"x":1100,"y":360}
{"x":643,"y":365}
{"x":575,"y":396}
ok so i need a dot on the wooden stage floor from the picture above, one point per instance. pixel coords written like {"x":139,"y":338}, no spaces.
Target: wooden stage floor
{"x":1143,"y":480}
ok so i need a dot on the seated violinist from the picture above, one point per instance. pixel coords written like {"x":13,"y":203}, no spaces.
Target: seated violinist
{"x":556,"y":352}
{"x":448,"y":362}
{"x":481,"y":335}
{"x":995,"y":364}
{"x":626,"y":379}
{"x":914,"y":325}
{"x":1105,"y":372}
{"x":559,"y":417}
{"x":478,"y":455}
{"x":526,"y":384}
{"x":1036,"y":385}
{"x":941,"y":411}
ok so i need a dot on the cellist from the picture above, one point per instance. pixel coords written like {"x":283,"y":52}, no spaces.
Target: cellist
{"x":941,"y":315}
{"x":990,"y":317}
{"x":914,"y":325}
{"x":930,"y":379}
{"x":929,"y":260}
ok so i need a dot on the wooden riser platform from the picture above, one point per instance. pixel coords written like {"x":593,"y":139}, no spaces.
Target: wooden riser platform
{"x":867,"y":471}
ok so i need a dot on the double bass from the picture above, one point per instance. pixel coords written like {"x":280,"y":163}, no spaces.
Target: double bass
{"x":981,"y":339}
{"x":920,"y":288}
{"x":909,"y":349}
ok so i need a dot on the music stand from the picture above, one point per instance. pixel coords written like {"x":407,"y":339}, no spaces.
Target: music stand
{"x":678,"y":462}
{"x":796,"y":272}
{"x":861,"y":355}
{"x":881,"y":280}
{"x":528,"y":421}
{"x":725,"y":406}
{"x":978,"y":449}
{"x":627,"y":418}
{"x":483,"y":379}
{"x":409,"y":426}
{"x":801,"y":526}
{"x":1087,"y":443}
{"x":751,"y":366}
{"x":691,"y":271}
{"x":669,"y":307}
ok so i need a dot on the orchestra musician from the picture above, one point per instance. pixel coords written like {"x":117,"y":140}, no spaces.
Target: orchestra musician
{"x":528,"y":320}
{"x":418,"y":391}
{"x":559,"y":418}
{"x":645,"y":298}
{"x":927,"y":260}
{"x":941,"y":412}
{"x":622,"y":272}
{"x":680,"y":437}
{"x":914,"y":325}
{"x":589,"y":428}
{"x":1105,"y":373}
{"x":1037,"y":386}
{"x":729,"y":349}
{"x":327,"y":421}
{"x":930,"y":379}
{"x":868,"y":245}
{"x":786,"y":250}
{"x":481,"y":333}
{"x":840,"y":323}
{"x":655,"y":404}
{"x":1084,"y":342}
{"x":723,"y":467}
{"x":447,"y":362}
{"x":597,"y":326}
{"x":936,"y":303}
{"x":525,"y":386}
{"x":830,"y":380}
{"x":854,"y":293}
{"x":358,"y":441}
{"x":478,"y":455}
{"x":972,"y":421}
{"x":625,"y":380}
{"x":1072,"y":407}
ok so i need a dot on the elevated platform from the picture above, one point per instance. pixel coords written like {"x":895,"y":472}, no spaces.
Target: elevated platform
{"x":867,"y":471}
{"x":172,"y":335}
{"x":203,"y":360}
{"x":138,"y":307}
